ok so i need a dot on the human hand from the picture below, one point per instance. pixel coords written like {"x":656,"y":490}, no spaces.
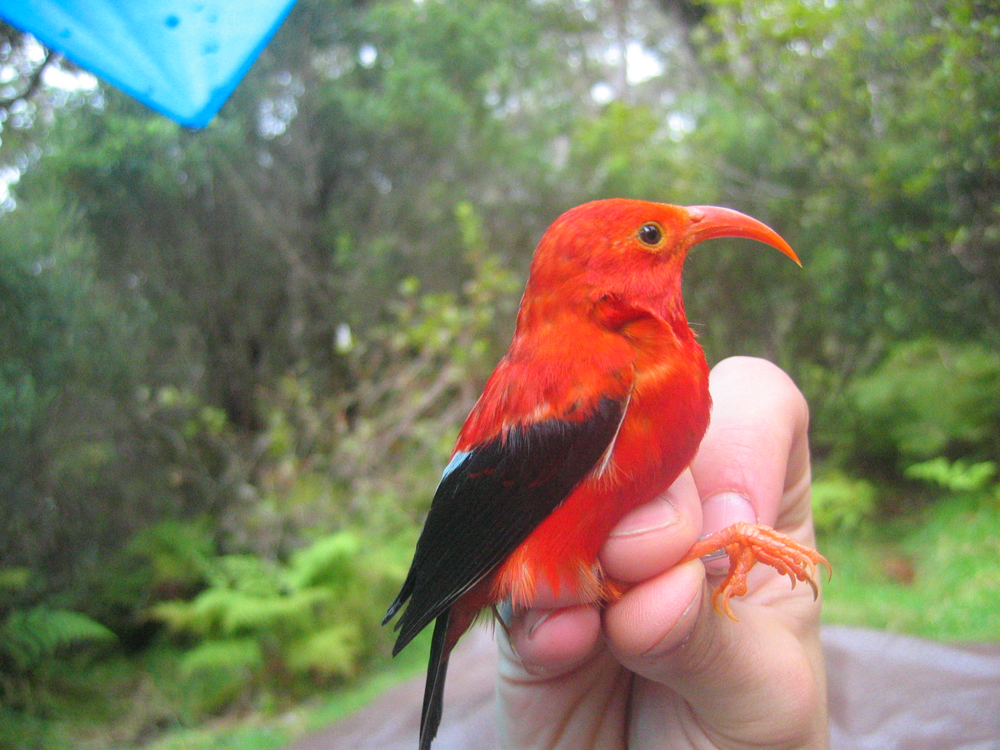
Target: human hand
{"x":660,"y":668}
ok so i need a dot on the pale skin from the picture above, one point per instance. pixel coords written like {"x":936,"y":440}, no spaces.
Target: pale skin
{"x":659,"y":668}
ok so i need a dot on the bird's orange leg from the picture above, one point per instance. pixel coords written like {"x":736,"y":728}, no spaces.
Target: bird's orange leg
{"x":747,"y":544}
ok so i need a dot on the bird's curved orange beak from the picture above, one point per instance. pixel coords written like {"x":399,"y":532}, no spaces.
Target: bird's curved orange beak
{"x":709,"y":222}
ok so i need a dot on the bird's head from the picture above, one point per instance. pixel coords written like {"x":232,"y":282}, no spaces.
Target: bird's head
{"x":631,"y":249}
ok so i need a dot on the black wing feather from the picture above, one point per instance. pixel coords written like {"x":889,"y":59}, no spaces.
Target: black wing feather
{"x":491,"y":502}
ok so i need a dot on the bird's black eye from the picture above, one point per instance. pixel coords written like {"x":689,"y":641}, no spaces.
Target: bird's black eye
{"x":650,"y":234}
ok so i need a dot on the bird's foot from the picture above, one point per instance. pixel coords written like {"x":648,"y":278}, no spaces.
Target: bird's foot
{"x":747,"y":544}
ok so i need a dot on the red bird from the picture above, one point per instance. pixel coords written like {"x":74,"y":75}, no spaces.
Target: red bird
{"x":599,"y":404}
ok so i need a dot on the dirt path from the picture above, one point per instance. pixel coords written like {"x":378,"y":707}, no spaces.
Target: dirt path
{"x":392,"y":720}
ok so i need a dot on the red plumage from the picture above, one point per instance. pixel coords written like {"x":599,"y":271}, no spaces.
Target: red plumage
{"x":597,"y":407}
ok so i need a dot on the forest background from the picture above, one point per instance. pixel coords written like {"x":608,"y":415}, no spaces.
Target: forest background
{"x":233,"y":362}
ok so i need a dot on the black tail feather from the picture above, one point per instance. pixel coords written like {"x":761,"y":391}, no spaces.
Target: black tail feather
{"x":437,"y":668}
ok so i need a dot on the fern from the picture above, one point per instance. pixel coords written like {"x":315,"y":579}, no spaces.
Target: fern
{"x":316,"y":617}
{"x":178,"y":553}
{"x":957,"y":476}
{"x":216,"y":673}
{"x":247,"y":573}
{"x":292,"y":613}
{"x":30,"y":636}
{"x":235,"y":655}
{"x":332,"y":652}
{"x":841,"y":502}
{"x":330,"y":560}
{"x":32,"y":646}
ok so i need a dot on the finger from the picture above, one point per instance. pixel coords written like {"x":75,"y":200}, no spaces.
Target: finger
{"x":559,"y":688}
{"x":765,"y":670}
{"x":546,"y":643}
{"x":740,"y":679}
{"x":755,"y":450}
{"x":655,"y":536}
{"x":560,"y":632}
{"x":657,"y":615}
{"x":581,"y":708}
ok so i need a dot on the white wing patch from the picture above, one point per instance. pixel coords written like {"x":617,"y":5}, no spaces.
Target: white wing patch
{"x":457,"y":460}
{"x":605,"y":463}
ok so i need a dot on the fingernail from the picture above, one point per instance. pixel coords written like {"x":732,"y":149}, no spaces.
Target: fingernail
{"x":724,"y":509}
{"x":535,"y":618}
{"x":719,"y":511}
{"x":654,"y":515}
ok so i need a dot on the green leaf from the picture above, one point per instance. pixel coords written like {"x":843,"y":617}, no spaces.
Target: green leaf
{"x":841,"y":503}
{"x":957,"y":476}
{"x":333,"y":652}
{"x":330,"y":560}
{"x":233,"y":655}
{"x":29,"y":636}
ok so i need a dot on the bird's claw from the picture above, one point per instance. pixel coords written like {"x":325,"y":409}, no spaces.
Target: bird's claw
{"x":746,"y":545}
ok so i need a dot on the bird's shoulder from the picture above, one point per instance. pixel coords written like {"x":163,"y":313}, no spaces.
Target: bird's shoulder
{"x":533,"y":385}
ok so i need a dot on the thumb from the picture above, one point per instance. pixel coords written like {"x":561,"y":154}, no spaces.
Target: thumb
{"x":739,"y":680}
{"x":753,"y":464}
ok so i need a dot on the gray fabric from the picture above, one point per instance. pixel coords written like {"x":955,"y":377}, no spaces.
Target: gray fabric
{"x":886,"y":692}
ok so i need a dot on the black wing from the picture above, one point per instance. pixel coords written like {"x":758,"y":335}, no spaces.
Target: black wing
{"x":488,"y":502}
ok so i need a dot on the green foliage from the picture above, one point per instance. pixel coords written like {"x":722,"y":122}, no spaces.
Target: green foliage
{"x":841,"y":503}
{"x":957,"y":476}
{"x":625,"y":151}
{"x":30,"y":637}
{"x":14,"y":579}
{"x":262,"y":626}
{"x":216,"y":674}
{"x":177,"y":555}
{"x":927,"y":400}
{"x":935,"y":576}
{"x":56,"y":342}
{"x":34,"y":645}
{"x":858,"y":130}
{"x":331,"y":651}
{"x":227,"y":738}
{"x":418,"y":376}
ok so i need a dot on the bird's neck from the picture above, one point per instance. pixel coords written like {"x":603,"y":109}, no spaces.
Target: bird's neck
{"x":651,"y":333}
{"x":656,"y":301}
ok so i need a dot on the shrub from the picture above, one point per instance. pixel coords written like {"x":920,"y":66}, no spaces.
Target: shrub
{"x":928,"y":399}
{"x":263,"y":626}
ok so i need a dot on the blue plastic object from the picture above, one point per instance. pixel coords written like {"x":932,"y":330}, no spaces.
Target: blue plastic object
{"x":181,"y":57}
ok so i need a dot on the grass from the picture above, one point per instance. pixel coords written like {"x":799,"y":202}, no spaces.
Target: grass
{"x":936,"y":575}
